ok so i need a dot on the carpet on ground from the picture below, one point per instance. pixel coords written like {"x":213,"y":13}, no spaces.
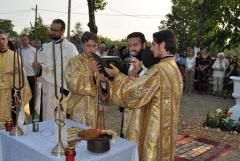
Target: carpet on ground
{"x":191,"y":148}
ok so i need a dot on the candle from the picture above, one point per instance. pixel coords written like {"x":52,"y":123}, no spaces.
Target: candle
{"x":70,"y":153}
{"x":9,"y":125}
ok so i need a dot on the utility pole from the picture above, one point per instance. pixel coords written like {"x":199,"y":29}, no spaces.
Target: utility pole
{"x":36,"y":12}
{"x":35,"y":24}
{"x":69,"y":19}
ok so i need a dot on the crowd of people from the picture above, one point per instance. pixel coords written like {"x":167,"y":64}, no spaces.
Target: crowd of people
{"x":206,"y":74}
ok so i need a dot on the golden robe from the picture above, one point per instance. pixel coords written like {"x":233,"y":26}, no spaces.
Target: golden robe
{"x":82,"y":102}
{"x":6,"y":85}
{"x":154,"y":100}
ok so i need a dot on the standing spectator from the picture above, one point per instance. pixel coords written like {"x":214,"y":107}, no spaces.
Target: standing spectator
{"x":235,"y":61}
{"x":125,"y":56}
{"x":204,"y":64}
{"x":190,"y":70}
{"x":228,"y":83}
{"x":219,"y":68}
{"x":79,"y":45}
{"x":11,"y":45}
{"x":102,"y":49}
{"x":182,"y":62}
{"x":226,"y":62}
{"x":113,"y":51}
{"x":196,"y":82}
{"x":28,"y":56}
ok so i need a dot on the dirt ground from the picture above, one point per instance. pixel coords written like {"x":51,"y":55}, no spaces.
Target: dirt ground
{"x":192,"y":106}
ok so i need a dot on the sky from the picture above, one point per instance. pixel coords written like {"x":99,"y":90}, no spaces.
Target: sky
{"x":116,"y":21}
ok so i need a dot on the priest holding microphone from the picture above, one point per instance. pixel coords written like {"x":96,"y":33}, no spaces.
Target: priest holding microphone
{"x":157,"y":93}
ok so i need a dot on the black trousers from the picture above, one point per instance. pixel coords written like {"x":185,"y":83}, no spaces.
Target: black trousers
{"x":31,"y":82}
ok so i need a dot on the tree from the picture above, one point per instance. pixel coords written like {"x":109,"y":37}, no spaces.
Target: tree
{"x":93,"y":6}
{"x":205,"y":23}
{"x":77,"y":33}
{"x":78,"y":30}
{"x":41,"y":31}
{"x":182,"y":22}
{"x":110,"y":42}
{"x":7,"y":26}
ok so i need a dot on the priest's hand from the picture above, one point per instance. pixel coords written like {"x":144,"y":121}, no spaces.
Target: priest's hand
{"x":36,"y":65}
{"x":94,"y":66}
{"x":102,"y":78}
{"x":136,"y":64}
{"x":132,"y":74}
{"x":112,"y":71}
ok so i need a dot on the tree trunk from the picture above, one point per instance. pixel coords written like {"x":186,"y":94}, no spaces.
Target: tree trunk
{"x":200,"y":29}
{"x":91,"y":11}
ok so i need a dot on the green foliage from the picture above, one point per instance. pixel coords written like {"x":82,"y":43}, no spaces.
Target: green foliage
{"x":100,"y":5}
{"x":93,"y":6}
{"x":78,"y":29}
{"x":215,"y":24}
{"x":216,"y":120}
{"x":233,"y":52}
{"x":109,"y":42}
{"x":7,"y":26}
{"x":221,"y":119}
{"x":77,"y":32}
{"x":41,"y":32}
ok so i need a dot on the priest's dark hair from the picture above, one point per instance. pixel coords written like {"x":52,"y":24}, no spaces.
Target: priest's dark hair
{"x":88,"y":36}
{"x":59,"y":21}
{"x":24,"y":35}
{"x":3,"y":32}
{"x":169,"y":38}
{"x":137,"y":35}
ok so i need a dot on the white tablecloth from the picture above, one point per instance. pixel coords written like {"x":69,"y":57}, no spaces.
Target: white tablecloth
{"x":38,"y":146}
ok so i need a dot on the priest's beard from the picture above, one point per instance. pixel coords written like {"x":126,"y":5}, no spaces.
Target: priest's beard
{"x":136,"y":54}
{"x":55,"y":38}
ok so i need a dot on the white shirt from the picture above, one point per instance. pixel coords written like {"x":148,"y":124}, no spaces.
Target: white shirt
{"x":217,"y":73}
{"x":190,"y":63}
{"x":28,"y":57}
{"x":142,"y":72}
{"x":226,"y":61}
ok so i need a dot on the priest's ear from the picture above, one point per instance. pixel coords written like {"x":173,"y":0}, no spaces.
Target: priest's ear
{"x":161,"y":47}
{"x":144,"y":45}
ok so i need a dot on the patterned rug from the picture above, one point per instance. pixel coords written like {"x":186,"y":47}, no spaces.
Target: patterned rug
{"x":190,"y":148}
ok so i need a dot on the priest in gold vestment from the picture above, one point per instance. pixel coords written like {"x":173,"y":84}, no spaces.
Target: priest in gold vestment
{"x":157,"y":95}
{"x":81,"y":75}
{"x":6,"y":81}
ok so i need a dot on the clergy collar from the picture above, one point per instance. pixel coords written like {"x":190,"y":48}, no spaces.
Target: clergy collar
{"x":166,"y":57}
{"x":58,"y":41}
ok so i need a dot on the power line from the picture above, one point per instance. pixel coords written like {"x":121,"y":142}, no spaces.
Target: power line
{"x":16,"y":15}
{"x":136,"y":15}
{"x":62,"y":13}
{"x":117,"y":15}
{"x":13,"y":12}
{"x":122,"y":12}
{"x":78,"y":6}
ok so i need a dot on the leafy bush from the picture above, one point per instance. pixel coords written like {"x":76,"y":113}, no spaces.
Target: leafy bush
{"x":221,"y":119}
